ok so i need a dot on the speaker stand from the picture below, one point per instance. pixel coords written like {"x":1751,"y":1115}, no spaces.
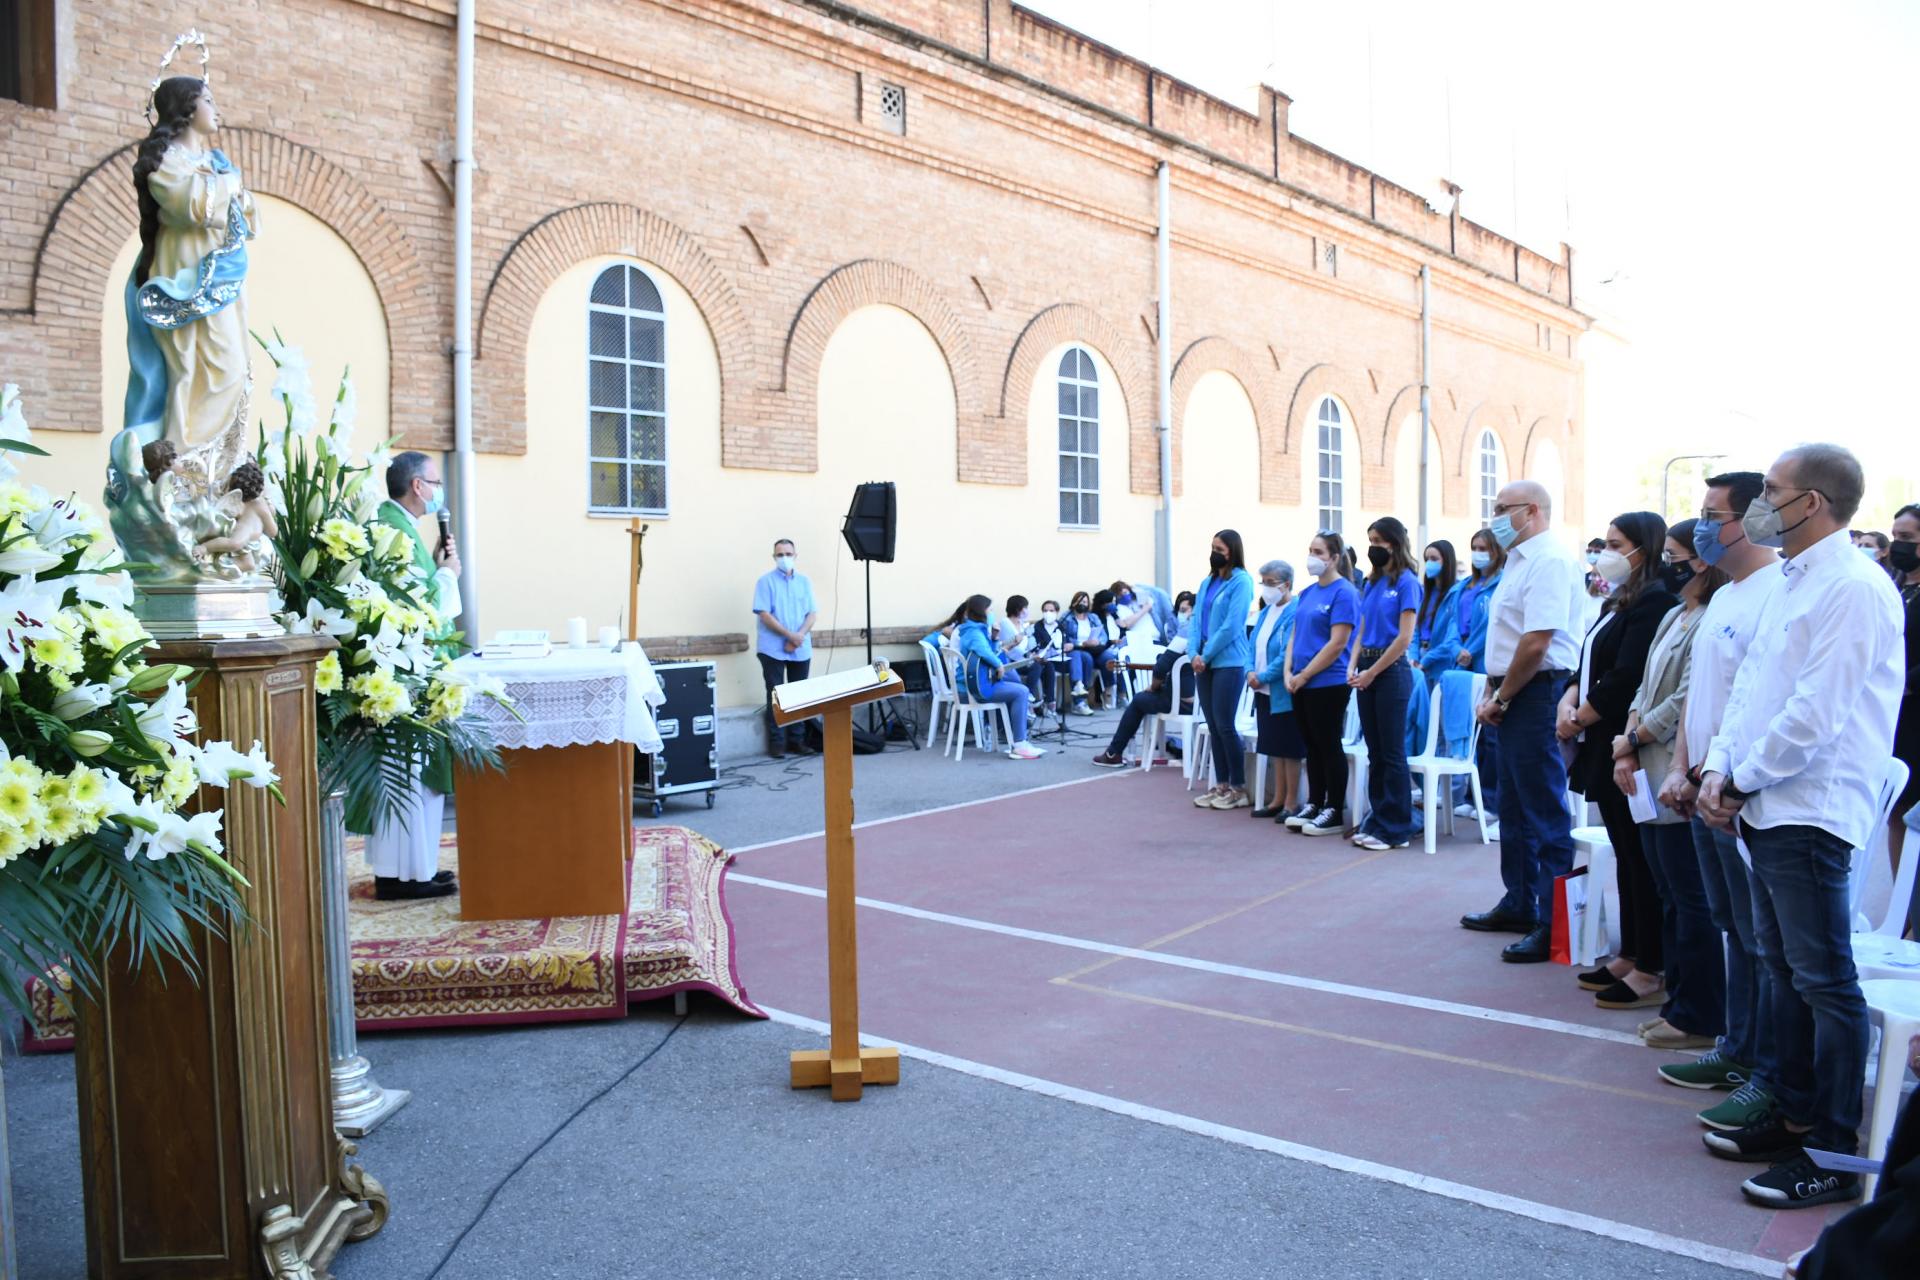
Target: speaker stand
{"x":881,"y":716}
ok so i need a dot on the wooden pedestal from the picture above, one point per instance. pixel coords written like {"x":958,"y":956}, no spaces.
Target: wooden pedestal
{"x":206,"y":1123}
{"x":549,"y":837}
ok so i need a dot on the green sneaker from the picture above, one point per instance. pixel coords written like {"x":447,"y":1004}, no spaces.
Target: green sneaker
{"x":1712,"y":1070}
{"x":1747,"y":1105}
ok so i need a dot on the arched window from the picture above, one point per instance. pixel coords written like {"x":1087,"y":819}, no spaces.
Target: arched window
{"x":626,"y":394}
{"x":1332,"y":457}
{"x":1079,"y":440}
{"x":1490,"y":477}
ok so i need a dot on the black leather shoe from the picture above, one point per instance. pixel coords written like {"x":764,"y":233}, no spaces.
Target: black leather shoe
{"x":1271,"y":811}
{"x":394,"y":889}
{"x":1531,"y":949}
{"x":443,"y":877}
{"x":1498,"y":920}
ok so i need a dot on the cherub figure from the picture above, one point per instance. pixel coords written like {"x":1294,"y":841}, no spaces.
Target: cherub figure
{"x":254,"y":522}
{"x":158,"y":458}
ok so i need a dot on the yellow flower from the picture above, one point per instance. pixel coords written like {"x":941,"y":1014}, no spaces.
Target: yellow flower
{"x":17,"y":800}
{"x":113,"y":628}
{"x":343,"y":539}
{"x":381,"y":697}
{"x":326,"y":676}
{"x":12,"y":844}
{"x":19,"y":768}
{"x":55,"y":790}
{"x":446,"y":702}
{"x":84,"y":787}
{"x":180,"y":783}
{"x":57,"y":653}
{"x":63,"y":822}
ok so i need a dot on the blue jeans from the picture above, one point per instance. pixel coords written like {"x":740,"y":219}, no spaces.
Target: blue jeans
{"x":1820,"y":1029}
{"x":1383,"y":722}
{"x":1536,"y":841}
{"x":1080,"y":664}
{"x":1217,"y":694}
{"x":1723,"y":876}
{"x":1035,"y":676}
{"x":1016,"y":698}
{"x":1696,"y":970}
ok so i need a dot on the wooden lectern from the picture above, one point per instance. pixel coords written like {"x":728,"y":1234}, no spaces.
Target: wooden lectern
{"x":843,"y":1066}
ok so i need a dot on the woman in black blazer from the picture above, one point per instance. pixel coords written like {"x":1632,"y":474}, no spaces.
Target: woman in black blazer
{"x":1612,"y":661}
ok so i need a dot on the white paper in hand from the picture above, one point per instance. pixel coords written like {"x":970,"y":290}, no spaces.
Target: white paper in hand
{"x":1641,"y":804}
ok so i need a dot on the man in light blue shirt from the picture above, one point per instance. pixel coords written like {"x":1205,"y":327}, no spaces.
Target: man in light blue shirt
{"x":784,"y":609}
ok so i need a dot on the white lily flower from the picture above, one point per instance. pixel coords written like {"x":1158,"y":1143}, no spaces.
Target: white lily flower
{"x":142,"y":841}
{"x":215,"y":763}
{"x":416,"y":653}
{"x":116,"y":797}
{"x":203,"y":829}
{"x":320,"y":620}
{"x":168,"y":718}
{"x":27,"y":611}
{"x":13,"y":426}
{"x":385,"y":646}
{"x":346,"y":407}
{"x":114,"y":590}
{"x":57,"y":522}
{"x":27,"y":556}
{"x":82,"y":700}
{"x":260,"y":771}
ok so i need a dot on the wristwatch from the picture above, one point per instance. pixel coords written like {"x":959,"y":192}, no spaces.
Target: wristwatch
{"x":1730,"y":792}
{"x":1633,"y":739}
{"x":1502,"y":703}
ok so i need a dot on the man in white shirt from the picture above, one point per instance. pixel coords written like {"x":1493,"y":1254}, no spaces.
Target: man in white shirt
{"x":1797,"y":764}
{"x":1743,"y":1059}
{"x":1532,"y":650}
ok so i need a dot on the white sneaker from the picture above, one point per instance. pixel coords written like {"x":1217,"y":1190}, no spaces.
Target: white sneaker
{"x":1079,"y":689}
{"x":1463,"y":810}
{"x":1025,"y":751}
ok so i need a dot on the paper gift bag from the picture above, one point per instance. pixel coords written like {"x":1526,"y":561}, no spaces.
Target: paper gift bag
{"x":1569,"y":913}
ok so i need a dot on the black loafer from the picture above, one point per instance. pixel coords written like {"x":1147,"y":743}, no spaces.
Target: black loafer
{"x":443,"y":877}
{"x":1271,"y":811}
{"x":1597,"y":980}
{"x":1498,"y":920}
{"x":1531,"y":949}
{"x":394,"y":889}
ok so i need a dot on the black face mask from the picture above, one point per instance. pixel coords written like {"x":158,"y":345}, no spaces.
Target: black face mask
{"x":1904,"y":556}
{"x":1218,"y":561}
{"x":1378,"y":557}
{"x":1079,"y":608}
{"x":1675,"y":576}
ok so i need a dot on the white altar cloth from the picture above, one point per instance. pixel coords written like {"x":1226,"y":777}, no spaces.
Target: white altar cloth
{"x":571,"y":697}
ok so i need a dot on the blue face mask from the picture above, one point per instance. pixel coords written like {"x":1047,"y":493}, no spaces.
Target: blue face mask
{"x":1503,"y":531}
{"x":1481,"y":559}
{"x":438,"y":502}
{"x":1433,"y":569}
{"x":1706,"y":541}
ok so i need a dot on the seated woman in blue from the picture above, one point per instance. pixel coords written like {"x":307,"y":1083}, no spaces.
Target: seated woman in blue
{"x":942,"y":636}
{"x":1086,"y":643}
{"x":1316,"y":675}
{"x":984,"y":668}
{"x":1475,"y":606}
{"x":1384,"y":681}
{"x":1220,"y":656}
{"x":1434,"y":643}
{"x":1278,"y":732}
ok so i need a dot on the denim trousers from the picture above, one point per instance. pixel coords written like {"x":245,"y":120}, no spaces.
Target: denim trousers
{"x":1729,"y":889}
{"x":1696,"y":972}
{"x":774,"y":672}
{"x":1536,"y":840}
{"x":1141,"y":706}
{"x":1383,"y":722}
{"x":1014,"y":696}
{"x":1217,"y":692}
{"x":1820,"y":1028}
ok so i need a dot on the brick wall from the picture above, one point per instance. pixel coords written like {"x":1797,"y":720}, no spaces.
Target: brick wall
{"x":735,"y":144}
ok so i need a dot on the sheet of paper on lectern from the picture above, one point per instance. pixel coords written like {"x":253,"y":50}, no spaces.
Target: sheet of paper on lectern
{"x":799,"y":694}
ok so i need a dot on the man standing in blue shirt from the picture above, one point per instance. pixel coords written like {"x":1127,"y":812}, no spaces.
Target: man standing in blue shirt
{"x":783,"y":605}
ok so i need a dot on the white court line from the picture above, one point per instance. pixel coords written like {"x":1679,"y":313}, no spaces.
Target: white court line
{"x":1479,"y":1012}
{"x":1552,"y":1215}
{"x":945,"y":808}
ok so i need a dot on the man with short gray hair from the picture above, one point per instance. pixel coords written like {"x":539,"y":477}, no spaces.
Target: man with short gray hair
{"x":1796,"y":770}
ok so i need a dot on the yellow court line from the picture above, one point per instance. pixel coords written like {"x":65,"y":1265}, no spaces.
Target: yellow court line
{"x":1666,"y":1098}
{"x":1177,"y":934}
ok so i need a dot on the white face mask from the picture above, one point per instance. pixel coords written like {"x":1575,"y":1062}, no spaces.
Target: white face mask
{"x":1050,"y":616}
{"x":783,"y":563}
{"x":1269,"y":594}
{"x":1613,"y":567}
{"x":1315,"y":566}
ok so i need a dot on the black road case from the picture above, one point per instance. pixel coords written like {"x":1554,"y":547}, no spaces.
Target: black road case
{"x":689,"y":759}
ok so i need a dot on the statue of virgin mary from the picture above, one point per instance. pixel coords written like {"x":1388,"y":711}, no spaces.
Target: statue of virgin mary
{"x":187,"y":344}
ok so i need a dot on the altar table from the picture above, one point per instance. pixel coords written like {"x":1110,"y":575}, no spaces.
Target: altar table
{"x":552,"y":834}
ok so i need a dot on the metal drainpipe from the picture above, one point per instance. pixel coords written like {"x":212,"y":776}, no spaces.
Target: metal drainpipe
{"x":464,"y":485}
{"x":1163,"y":519}
{"x":1426,"y":403}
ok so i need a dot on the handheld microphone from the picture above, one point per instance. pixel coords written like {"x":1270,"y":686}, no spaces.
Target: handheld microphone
{"x":446,"y":527}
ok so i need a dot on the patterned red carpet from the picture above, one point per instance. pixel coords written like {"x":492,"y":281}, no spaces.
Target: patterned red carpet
{"x":417,"y":964}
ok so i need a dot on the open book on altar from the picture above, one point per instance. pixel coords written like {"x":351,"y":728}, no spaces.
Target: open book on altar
{"x":798,"y":695}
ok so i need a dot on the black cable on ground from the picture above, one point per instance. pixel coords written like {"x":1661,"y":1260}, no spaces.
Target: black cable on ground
{"x":527,"y":1159}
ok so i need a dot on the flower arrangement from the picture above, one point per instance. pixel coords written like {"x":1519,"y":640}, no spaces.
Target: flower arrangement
{"x":97,"y":754}
{"x":391,"y":705}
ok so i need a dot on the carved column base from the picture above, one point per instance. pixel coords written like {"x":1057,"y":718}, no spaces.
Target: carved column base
{"x":360,"y":1105}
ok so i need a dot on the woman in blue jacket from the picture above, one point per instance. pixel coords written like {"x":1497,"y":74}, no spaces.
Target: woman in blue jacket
{"x":1470,"y":623}
{"x":1278,"y":731}
{"x":984,"y":667}
{"x":1434,"y":644}
{"x":1220,"y":657}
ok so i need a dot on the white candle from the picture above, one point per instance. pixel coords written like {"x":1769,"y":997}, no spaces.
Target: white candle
{"x":609,"y":637}
{"x":576,"y":633}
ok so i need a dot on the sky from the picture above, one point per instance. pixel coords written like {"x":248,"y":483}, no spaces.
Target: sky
{"x":1736,"y":181}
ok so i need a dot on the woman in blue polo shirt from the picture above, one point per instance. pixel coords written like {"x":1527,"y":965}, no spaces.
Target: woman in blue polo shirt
{"x":1316,"y":675}
{"x":1220,"y":655}
{"x":1384,"y":680}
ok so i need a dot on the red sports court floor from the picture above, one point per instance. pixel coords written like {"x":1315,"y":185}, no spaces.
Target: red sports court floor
{"x":1285,"y":988}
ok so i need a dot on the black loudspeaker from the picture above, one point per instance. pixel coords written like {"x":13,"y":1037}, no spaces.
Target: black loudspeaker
{"x":870,"y":522}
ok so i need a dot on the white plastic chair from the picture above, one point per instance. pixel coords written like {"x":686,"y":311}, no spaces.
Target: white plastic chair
{"x":1878,"y":950}
{"x":940,"y":681}
{"x":1437,"y":771}
{"x":1156,"y":728}
{"x":1354,"y":743}
{"x":968,"y":709}
{"x":1594,"y":850}
{"x":1201,"y":753}
{"x":1894,"y":1004}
